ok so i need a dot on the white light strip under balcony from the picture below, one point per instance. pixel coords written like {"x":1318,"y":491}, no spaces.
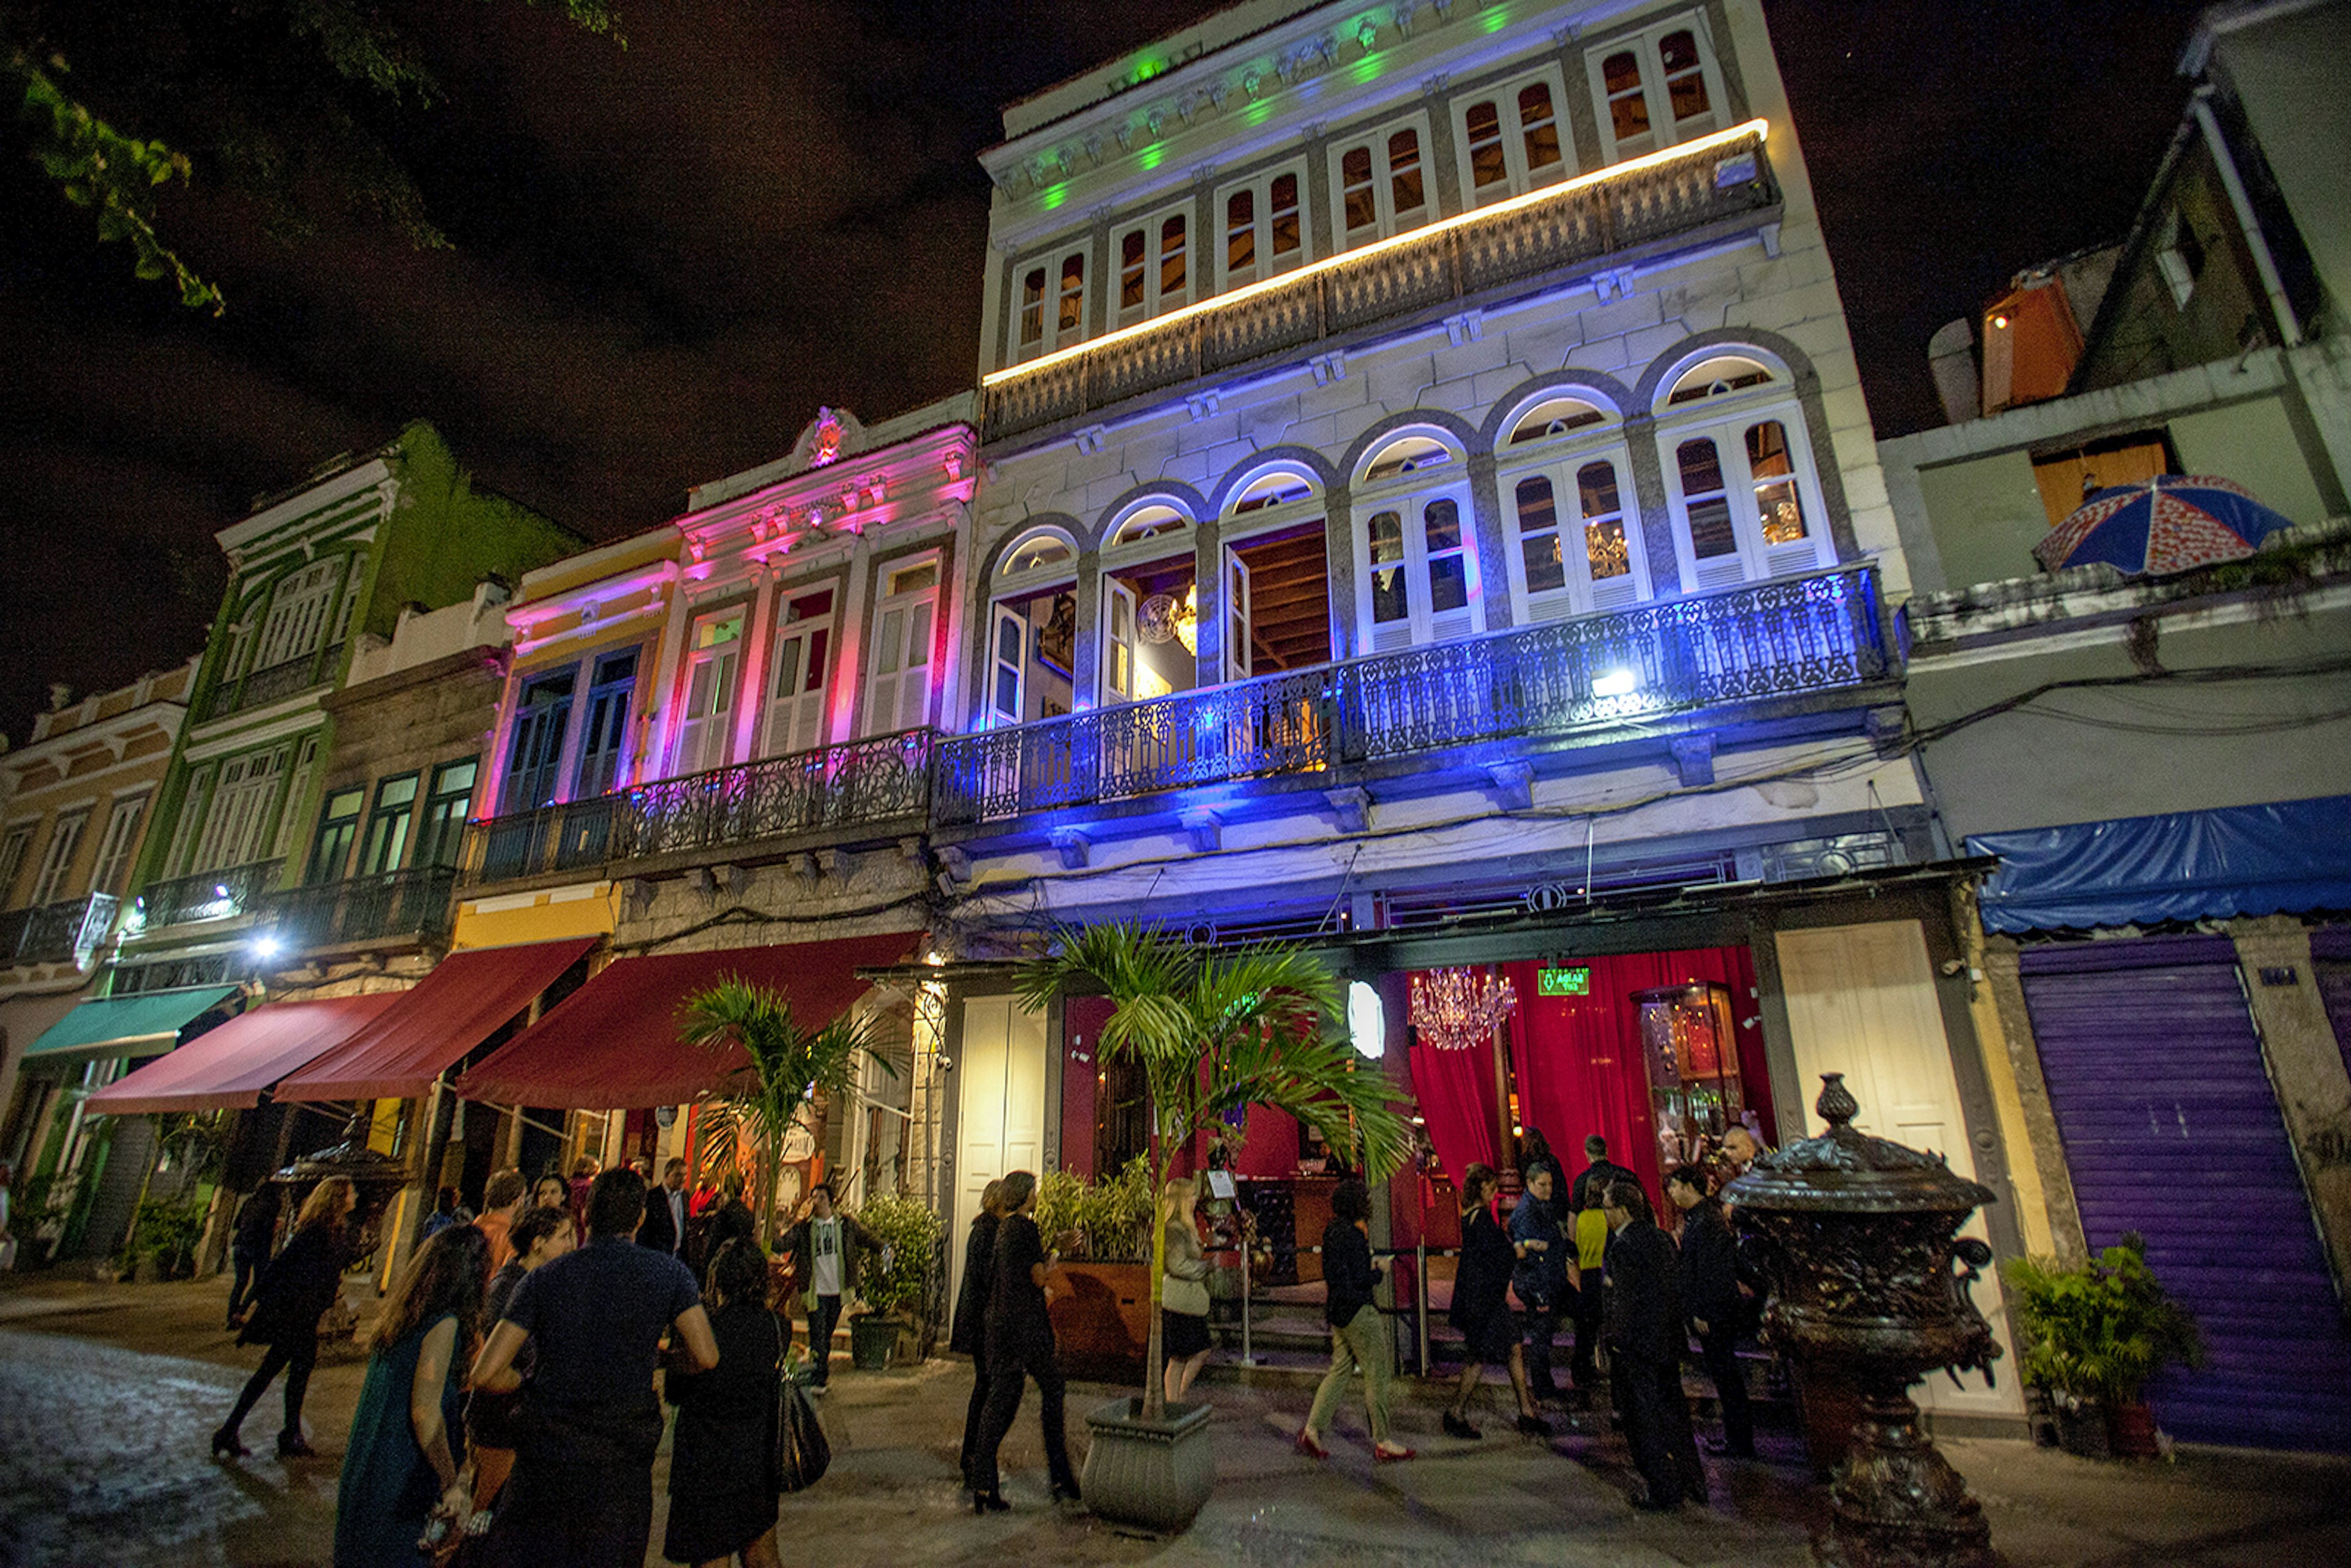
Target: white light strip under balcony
{"x":1758,"y":128}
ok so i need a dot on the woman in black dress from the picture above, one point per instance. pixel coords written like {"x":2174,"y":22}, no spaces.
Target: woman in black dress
{"x":1482,"y":1307}
{"x":300,"y":1283}
{"x":969,"y":1333}
{"x":722,"y":1467}
{"x":1020,"y":1347}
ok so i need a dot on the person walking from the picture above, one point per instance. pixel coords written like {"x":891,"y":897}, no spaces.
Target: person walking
{"x":1482,"y":1307}
{"x":824,"y":1246}
{"x":1716,"y":1302}
{"x":1646,"y":1342}
{"x":1359,"y":1335}
{"x":400,"y":1466}
{"x":493,"y":1420}
{"x":249,"y":1244}
{"x":1020,"y":1347}
{"x":665,"y":1226}
{"x":581,"y":1493}
{"x":1184,"y":1295}
{"x":1543,"y":1276}
{"x":296,"y":1290}
{"x":722,"y":1464}
{"x":503,"y":1199}
{"x":967,"y":1333}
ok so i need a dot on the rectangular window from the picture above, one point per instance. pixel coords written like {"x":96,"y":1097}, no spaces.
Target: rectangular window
{"x":534,"y":756}
{"x":295,"y":801}
{"x":604,"y":738}
{"x":1361,"y":197}
{"x":1264,"y":230}
{"x":56,"y":860}
{"x":798,"y":679}
{"x":1606,"y":553}
{"x":1070,"y":318}
{"x":1383,"y":185}
{"x":387,"y":834}
{"x":443,"y":830}
{"x":1546,"y":569}
{"x":338,"y":827}
{"x":349,"y":600}
{"x":706,"y":717}
{"x":1132,"y":302}
{"x":298,"y":609}
{"x":1705,"y":500}
{"x":1033,"y":308}
{"x":236,"y":827}
{"x":1172,"y":264}
{"x":1742,"y":490}
{"x":1509,"y":141}
{"x":1563,"y":571}
{"x":1661,"y":88}
{"x":1391,"y":598}
{"x":1537,"y":129}
{"x":1779,"y":508}
{"x":1051,"y":309}
{"x":12,"y":850}
{"x":114,"y":849}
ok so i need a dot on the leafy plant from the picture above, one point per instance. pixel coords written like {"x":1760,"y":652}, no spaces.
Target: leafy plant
{"x":1215,"y":1034}
{"x":2100,"y":1329}
{"x":750,"y":1118}
{"x":168,"y":1229}
{"x":1114,"y":1212}
{"x":911,"y":1231}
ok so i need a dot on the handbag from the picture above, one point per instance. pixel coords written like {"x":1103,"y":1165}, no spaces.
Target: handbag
{"x":1189,"y":1296}
{"x":802,"y":1451}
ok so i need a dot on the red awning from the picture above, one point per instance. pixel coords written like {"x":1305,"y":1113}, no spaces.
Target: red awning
{"x":227,"y":1068}
{"x":448,"y":1013}
{"x":614,"y":1043}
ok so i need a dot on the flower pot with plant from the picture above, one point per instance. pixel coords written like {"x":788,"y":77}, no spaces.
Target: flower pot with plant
{"x":2095,"y":1333}
{"x":897,"y":1288}
{"x":1102,"y":1314}
{"x":1213,"y":1033}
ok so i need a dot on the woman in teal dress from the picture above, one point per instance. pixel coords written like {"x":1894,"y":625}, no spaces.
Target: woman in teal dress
{"x":403,"y":1457}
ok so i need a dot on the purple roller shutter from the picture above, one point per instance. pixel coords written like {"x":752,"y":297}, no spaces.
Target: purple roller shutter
{"x":2330,"y":953}
{"x":2171,"y":1129}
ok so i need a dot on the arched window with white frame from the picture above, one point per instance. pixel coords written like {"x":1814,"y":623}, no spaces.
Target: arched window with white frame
{"x":1151,"y":604}
{"x":1418,"y":572}
{"x":1276,"y":606}
{"x":1567,"y":498}
{"x":1740,"y":476}
{"x":1032,"y":623}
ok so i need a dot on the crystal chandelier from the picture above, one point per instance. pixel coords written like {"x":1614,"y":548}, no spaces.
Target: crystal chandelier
{"x":1452,"y":1009}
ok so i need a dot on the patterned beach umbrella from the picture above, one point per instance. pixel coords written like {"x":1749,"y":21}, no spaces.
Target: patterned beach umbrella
{"x":2161,"y":526}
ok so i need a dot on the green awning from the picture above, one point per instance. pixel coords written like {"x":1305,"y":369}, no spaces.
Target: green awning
{"x":138,"y":1025}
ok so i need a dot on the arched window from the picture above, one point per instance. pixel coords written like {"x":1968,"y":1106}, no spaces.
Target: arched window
{"x":1275,"y":488}
{"x":1275,"y":607}
{"x":1557,"y":415}
{"x":1419,"y":573}
{"x":1045,"y":547}
{"x":1578,"y":529}
{"x":1509,"y":141}
{"x":1659,"y":89}
{"x":1406,"y":455}
{"x":1147,"y":521}
{"x":1738,"y":472}
{"x":1032,"y":624}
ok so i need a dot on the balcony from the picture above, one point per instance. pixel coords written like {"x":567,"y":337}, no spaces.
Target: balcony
{"x":829,"y":792}
{"x":392,"y":906}
{"x":1790,"y":637}
{"x":58,"y":932}
{"x":261,"y":687}
{"x":1717,"y":183}
{"x":221,"y":894}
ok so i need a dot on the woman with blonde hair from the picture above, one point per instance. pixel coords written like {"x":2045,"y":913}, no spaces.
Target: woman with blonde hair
{"x":1184,"y":1295}
{"x":300,"y":1283}
{"x":400,"y":1466}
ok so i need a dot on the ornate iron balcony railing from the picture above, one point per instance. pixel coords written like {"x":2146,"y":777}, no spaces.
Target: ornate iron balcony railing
{"x":206,"y":895}
{"x":1585,"y":221}
{"x":1783,"y":638}
{"x":859,"y":783}
{"x":62,"y":932}
{"x":261,"y":687}
{"x":401,"y":904}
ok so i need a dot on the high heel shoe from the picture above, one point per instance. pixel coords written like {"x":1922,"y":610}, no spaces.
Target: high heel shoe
{"x":989,"y":1502}
{"x":227,"y":1446}
{"x":295,"y":1448}
{"x":1454,"y":1426}
{"x":1309,"y":1445}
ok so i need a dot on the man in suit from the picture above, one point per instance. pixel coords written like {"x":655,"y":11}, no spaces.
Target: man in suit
{"x":1646,"y":1336}
{"x":664,"y":1230}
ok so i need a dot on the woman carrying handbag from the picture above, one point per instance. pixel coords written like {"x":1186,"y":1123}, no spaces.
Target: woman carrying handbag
{"x":722,"y":1469}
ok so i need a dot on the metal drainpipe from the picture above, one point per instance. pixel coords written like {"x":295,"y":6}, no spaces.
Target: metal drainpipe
{"x":2288,"y":328}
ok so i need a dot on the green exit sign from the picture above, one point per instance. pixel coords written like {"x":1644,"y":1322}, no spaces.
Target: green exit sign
{"x":1576,"y":982}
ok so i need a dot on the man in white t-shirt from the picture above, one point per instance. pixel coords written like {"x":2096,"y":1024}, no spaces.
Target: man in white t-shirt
{"x":824,"y":1247}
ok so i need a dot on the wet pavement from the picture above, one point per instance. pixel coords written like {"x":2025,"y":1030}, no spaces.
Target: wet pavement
{"x":108,"y":1394}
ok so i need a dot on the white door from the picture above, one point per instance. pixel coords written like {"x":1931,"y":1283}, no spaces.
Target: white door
{"x":1009,"y":667}
{"x":1001,"y":1127}
{"x":1119,"y":642}
{"x":796,"y":688}
{"x":1238,"y":626}
{"x":706,"y":725}
{"x":898,"y":687}
{"x":1861,"y":1001}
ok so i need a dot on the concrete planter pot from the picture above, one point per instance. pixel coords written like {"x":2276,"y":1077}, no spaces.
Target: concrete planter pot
{"x":871,"y":1338}
{"x":1155,"y":1474}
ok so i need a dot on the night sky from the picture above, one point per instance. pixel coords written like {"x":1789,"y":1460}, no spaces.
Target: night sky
{"x":667,"y":256}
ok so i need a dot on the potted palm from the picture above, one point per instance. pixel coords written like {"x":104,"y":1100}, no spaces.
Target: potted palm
{"x":786,"y":1067}
{"x":2095,"y":1333}
{"x":909,"y":1233}
{"x":1213,"y":1034}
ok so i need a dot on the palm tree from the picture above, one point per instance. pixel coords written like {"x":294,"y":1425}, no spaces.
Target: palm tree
{"x":789,"y":1067}
{"x":1214,"y":1034}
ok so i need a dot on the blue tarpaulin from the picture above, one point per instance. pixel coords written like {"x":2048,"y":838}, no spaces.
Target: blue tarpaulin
{"x":2288,"y":857}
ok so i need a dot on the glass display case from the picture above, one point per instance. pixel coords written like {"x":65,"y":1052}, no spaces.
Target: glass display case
{"x":1693,"y":1059}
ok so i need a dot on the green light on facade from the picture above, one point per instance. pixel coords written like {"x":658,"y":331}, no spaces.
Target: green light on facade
{"x":1152,"y":155}
{"x":1371,"y":67}
{"x":1257,"y":113}
{"x":1495,"y":20}
{"x":1055,"y":195}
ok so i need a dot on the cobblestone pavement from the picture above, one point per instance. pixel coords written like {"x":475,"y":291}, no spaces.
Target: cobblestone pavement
{"x":107,"y":1394}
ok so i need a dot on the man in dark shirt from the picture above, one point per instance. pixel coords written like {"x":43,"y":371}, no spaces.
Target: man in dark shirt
{"x":1584,"y":1195}
{"x":1598,"y":1173}
{"x":1647,"y":1338}
{"x":581,"y":1494}
{"x":1716,"y":1301}
{"x":1540,"y":1276}
{"x":1019,"y":1346}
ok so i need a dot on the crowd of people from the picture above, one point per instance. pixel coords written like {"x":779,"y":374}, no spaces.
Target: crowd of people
{"x":509,"y":1405}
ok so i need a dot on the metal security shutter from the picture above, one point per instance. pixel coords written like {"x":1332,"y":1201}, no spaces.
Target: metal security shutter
{"x":2171,"y":1129}
{"x":2330,"y":954}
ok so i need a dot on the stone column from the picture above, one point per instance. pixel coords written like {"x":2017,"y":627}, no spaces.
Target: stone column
{"x":2307,"y":1067}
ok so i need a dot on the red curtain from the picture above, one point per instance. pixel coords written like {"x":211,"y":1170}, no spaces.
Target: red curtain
{"x":1456,"y":1092}
{"x":1578,"y":1059}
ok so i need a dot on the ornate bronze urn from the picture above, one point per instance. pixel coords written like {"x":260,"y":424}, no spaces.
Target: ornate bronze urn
{"x":378,"y":1179}
{"x":1858,"y":1236}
